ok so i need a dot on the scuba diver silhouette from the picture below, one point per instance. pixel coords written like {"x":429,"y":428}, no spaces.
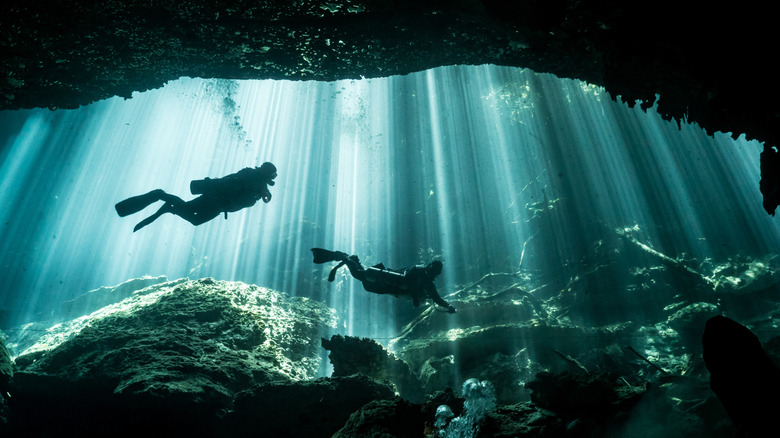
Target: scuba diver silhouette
{"x":230,"y":193}
{"x":415,"y":281}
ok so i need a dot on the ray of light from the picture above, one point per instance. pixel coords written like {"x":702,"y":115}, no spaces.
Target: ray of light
{"x":490,"y":169}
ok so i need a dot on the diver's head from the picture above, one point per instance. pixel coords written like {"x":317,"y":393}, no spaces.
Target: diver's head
{"x":433,"y":269}
{"x":269,"y":170}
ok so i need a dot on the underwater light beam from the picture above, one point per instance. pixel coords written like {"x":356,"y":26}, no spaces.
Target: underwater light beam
{"x":482,"y":166}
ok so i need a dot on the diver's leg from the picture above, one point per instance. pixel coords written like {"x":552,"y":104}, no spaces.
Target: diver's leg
{"x":172,"y":203}
{"x":197,"y":211}
{"x":138,"y":203}
{"x":355,"y":268}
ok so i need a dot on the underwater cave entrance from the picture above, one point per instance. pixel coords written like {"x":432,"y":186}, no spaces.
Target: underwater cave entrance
{"x":490,"y":169}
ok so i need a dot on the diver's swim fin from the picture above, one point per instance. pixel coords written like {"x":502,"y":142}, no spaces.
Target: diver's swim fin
{"x":324,"y":255}
{"x":137,"y":203}
{"x":150,"y":219}
{"x":332,"y":275}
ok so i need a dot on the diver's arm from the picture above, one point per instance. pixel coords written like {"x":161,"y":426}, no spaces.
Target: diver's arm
{"x":265,"y":195}
{"x":430,"y":289}
{"x":256,"y":180}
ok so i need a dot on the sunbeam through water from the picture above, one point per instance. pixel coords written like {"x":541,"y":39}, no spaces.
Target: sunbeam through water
{"x":489,"y":169}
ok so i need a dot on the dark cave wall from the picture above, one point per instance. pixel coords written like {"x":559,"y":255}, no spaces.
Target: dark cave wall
{"x":709,"y":66}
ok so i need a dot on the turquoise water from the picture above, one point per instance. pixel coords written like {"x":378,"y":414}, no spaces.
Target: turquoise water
{"x":489,"y":169}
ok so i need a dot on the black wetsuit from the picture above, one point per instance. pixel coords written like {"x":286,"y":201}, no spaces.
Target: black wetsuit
{"x":219,"y":195}
{"x":415,"y":282}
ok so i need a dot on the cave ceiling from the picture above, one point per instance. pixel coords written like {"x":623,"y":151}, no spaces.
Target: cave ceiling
{"x":708,"y":65}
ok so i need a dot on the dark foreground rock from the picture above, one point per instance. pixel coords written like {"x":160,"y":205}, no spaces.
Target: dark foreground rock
{"x":6,"y":375}
{"x":302,"y":409}
{"x":742,"y":375}
{"x":6,"y":369}
{"x":386,"y":418}
{"x":350,"y":355}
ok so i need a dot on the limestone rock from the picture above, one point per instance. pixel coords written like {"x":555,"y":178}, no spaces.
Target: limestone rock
{"x":742,"y":375}
{"x":6,"y":374}
{"x":54,"y":57}
{"x":309,"y":409}
{"x":96,"y":299}
{"x":386,"y":419}
{"x":6,"y":369}
{"x":172,"y":352}
{"x":500,"y":353}
{"x":567,"y":393}
{"x":35,"y":338}
{"x":689,"y":320}
{"x":351,"y":355}
{"x":522,"y":419}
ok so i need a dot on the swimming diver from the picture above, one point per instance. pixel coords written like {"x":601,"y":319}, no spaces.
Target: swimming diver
{"x":415,"y":281}
{"x":230,"y":193}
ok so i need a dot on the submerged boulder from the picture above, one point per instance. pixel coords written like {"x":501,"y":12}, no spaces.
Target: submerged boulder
{"x":6,"y":374}
{"x":505,"y":342}
{"x":743,"y":377}
{"x":311,"y":409}
{"x":6,"y":369}
{"x":569,"y":393}
{"x":97,"y":299}
{"x":350,"y":355}
{"x":387,"y":419}
{"x":169,"y":358}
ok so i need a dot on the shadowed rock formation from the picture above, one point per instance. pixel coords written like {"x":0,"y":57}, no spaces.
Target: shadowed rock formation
{"x":742,"y":376}
{"x":350,"y":355}
{"x":709,"y":65}
{"x":315,"y":408}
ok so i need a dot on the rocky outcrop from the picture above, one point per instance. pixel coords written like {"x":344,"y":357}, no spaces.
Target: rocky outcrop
{"x":386,"y":418}
{"x":350,"y":355}
{"x":581,"y":394}
{"x":6,"y":369}
{"x":562,"y":363}
{"x":578,"y":404}
{"x":744,"y":378}
{"x":565,"y":405}
{"x":222,"y":358}
{"x":313,"y":409}
{"x":71,"y":53}
{"x":97,"y":299}
{"x":6,"y":375}
{"x":168,"y":359}
{"x":509,"y":339}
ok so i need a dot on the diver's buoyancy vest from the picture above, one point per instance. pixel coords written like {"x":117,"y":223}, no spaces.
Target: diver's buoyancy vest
{"x":248,"y":179}
{"x":236,"y":191}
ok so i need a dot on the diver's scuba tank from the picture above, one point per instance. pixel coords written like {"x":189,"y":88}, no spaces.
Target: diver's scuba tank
{"x":384,"y":281}
{"x":201,"y":186}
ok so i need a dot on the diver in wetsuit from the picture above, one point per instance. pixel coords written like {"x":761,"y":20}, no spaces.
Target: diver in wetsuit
{"x":220,"y":195}
{"x":415,"y":282}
